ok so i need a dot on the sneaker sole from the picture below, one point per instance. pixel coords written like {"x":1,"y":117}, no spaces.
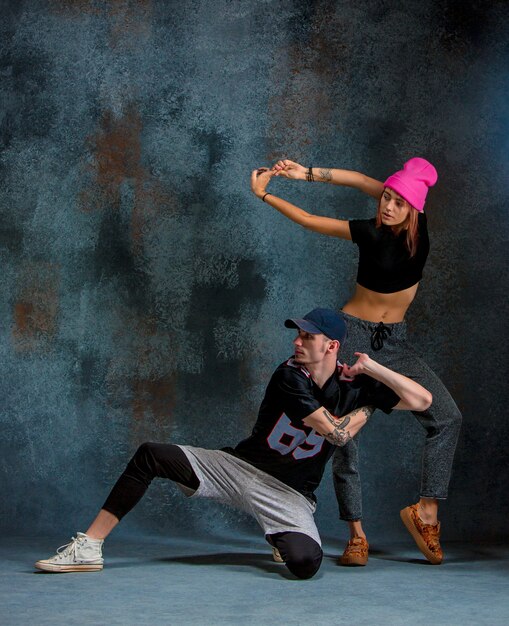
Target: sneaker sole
{"x":62,"y":569}
{"x":353,"y":561}
{"x":406,"y":518}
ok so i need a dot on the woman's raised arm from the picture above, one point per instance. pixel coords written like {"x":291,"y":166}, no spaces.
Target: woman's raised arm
{"x":345,"y":178}
{"x":325,"y":225}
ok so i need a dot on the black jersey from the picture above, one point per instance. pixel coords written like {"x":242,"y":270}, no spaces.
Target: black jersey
{"x":281,"y":445}
{"x":385,"y":265}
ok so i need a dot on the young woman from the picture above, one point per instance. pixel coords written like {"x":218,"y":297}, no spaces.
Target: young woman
{"x":393,"y":247}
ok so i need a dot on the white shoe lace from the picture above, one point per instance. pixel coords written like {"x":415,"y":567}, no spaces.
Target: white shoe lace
{"x":68,"y":548}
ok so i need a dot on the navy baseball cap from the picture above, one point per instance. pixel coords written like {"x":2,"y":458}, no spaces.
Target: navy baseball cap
{"x":325,"y":321}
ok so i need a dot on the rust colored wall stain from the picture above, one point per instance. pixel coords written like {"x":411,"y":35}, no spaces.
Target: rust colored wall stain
{"x":116,"y":148}
{"x":36,"y":309}
{"x":153,"y":404}
{"x":117,"y":156}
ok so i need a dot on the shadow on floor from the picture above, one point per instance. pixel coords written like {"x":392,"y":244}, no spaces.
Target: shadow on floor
{"x":233,"y":560}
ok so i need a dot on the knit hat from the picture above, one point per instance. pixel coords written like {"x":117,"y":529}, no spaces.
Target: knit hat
{"x":413,"y":180}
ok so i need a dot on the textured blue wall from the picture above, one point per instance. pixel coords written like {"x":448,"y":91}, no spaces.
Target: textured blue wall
{"x":144,"y":287}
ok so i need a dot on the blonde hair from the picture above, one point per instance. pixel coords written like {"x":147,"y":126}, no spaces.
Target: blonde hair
{"x":410,"y":224}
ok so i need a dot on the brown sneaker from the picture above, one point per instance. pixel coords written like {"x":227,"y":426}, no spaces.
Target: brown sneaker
{"x":427,"y":536}
{"x":356,"y":552}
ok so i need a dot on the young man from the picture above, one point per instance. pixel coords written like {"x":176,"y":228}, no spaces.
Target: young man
{"x":311,"y":405}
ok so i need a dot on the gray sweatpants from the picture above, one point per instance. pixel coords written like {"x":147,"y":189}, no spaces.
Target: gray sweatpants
{"x":442,"y":421}
{"x":275,"y":506}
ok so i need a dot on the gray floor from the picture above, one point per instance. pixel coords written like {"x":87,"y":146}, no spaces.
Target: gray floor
{"x":232,"y":580}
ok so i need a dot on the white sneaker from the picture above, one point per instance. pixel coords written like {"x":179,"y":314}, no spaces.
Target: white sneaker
{"x":82,"y":554}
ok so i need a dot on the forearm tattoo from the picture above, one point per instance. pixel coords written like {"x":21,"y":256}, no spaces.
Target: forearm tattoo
{"x":341,"y":422}
{"x":326,"y":175}
{"x":339,"y":436}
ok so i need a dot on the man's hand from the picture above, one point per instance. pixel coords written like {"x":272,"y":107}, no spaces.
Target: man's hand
{"x":260,"y":178}
{"x":359,"y":367}
{"x":289,"y":169}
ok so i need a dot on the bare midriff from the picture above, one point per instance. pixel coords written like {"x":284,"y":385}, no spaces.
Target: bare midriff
{"x":372,"y":306}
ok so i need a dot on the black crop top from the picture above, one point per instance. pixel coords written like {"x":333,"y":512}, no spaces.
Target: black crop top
{"x":385,"y":265}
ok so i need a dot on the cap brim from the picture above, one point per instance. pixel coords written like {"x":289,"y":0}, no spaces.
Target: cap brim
{"x":305,"y":325}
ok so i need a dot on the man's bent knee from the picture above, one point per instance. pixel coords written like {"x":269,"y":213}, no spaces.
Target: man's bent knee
{"x":145,"y":449}
{"x":305,"y":566}
{"x":301,"y":553}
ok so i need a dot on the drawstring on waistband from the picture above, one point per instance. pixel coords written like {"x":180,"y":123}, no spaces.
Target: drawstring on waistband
{"x":378,"y":336}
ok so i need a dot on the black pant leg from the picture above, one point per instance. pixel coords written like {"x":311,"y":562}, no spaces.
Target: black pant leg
{"x":301,"y":554}
{"x":161,"y":460}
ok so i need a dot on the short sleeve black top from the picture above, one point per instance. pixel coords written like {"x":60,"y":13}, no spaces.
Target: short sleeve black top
{"x":385,"y":265}
{"x":281,"y":445}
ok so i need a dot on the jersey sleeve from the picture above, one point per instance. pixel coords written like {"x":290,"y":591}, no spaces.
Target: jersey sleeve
{"x":295,"y":393}
{"x":361,"y":231}
{"x":377,"y":394}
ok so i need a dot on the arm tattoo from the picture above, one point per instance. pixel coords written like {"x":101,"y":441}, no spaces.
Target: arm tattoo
{"x":342,"y":422}
{"x":326,"y":175}
{"x":339,"y":436}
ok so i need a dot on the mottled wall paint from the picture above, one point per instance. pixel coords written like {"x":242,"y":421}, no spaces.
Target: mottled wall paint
{"x":144,"y":288}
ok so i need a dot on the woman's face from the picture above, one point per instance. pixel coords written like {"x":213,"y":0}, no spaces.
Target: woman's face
{"x":393,"y":208}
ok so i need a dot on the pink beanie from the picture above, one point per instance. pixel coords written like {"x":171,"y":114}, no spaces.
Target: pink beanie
{"x":413,"y":180}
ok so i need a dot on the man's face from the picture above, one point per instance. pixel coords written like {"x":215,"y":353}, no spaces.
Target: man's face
{"x":310,"y":349}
